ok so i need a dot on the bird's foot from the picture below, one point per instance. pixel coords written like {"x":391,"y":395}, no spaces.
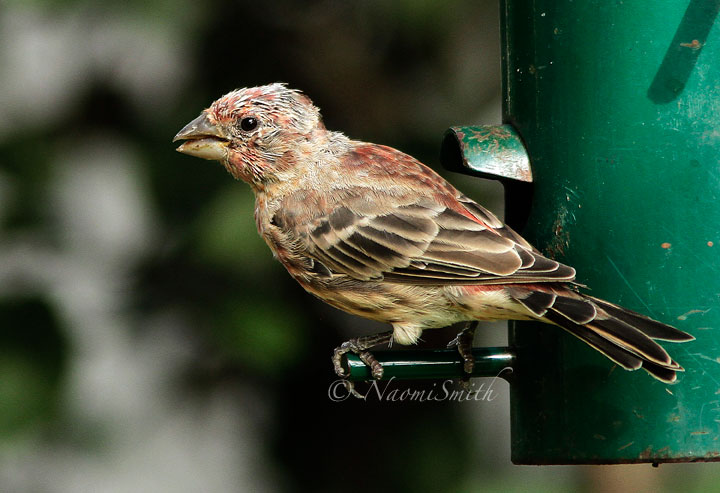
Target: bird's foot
{"x":464,"y":341}
{"x":360,"y":346}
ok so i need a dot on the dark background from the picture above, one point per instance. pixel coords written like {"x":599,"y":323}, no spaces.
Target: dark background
{"x":148,"y":340}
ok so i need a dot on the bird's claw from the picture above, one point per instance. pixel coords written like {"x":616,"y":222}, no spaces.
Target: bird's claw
{"x":464,"y":341}
{"x":337,"y":360}
{"x":359,"y":346}
{"x":366,"y":357}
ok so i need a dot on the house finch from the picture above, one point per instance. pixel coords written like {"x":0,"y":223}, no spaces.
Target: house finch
{"x":372,"y":231}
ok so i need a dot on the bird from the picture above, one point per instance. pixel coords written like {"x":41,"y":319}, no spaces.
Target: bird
{"x":374,"y":232}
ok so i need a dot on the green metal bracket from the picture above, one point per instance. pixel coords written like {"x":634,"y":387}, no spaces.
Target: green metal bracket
{"x":489,"y":151}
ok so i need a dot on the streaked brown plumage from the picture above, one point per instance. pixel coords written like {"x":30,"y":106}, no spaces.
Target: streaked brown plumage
{"x":374,"y":232}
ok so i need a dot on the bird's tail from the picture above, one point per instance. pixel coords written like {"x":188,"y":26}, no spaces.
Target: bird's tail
{"x":624,"y":336}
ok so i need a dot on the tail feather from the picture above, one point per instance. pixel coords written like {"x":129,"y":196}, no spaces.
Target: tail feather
{"x":631,"y":339}
{"x":616,"y":353}
{"x":624,"y":336}
{"x":578,"y":311}
{"x":663,"y":374}
{"x":648,"y":326}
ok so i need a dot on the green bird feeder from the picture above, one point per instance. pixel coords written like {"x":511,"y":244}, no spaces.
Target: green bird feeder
{"x":610,"y":153}
{"x":618,"y":104}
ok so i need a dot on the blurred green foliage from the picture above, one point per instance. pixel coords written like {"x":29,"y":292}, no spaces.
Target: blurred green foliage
{"x":32,"y":362}
{"x":125,"y":79}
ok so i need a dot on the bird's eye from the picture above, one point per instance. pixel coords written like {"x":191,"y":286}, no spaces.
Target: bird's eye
{"x":248,"y":123}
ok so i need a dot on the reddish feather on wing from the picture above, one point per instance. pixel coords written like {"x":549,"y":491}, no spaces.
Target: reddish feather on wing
{"x":419,"y":229}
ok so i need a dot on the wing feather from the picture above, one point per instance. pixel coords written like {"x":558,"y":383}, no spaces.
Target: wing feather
{"x":428,"y":233}
{"x":427,"y":245}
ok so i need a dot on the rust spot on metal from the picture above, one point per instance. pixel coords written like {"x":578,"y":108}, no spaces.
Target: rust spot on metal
{"x":665,"y":245}
{"x":710,"y":243}
{"x":626,"y":446}
{"x":694,"y":44}
{"x":561,"y":238}
{"x":701,"y":432}
{"x":649,"y":454}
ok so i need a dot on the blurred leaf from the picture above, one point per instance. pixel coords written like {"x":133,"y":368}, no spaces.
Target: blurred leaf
{"x":25,"y":393}
{"x":227,"y":235}
{"x":32,"y":358}
{"x":266,"y":337}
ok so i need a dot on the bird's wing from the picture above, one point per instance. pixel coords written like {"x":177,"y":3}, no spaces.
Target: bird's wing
{"x":408,"y":225}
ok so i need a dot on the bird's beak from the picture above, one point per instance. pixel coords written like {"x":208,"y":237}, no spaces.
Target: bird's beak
{"x":204,"y":139}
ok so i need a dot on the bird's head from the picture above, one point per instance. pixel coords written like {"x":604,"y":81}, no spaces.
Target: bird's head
{"x":254,"y":132}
